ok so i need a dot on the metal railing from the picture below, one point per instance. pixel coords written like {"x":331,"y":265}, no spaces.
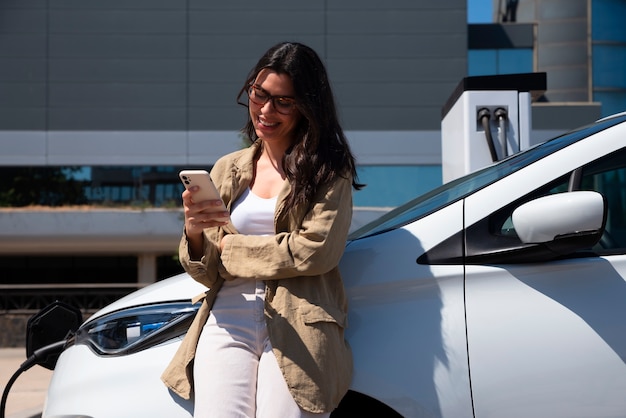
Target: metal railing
{"x":88,"y":297}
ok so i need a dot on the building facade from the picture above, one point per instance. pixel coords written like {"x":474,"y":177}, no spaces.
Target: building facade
{"x":124,"y":93}
{"x":129,"y":91}
{"x":581,"y":45}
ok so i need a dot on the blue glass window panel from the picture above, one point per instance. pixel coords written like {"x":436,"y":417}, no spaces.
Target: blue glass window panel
{"x":608,"y":20}
{"x":499,"y":61}
{"x":609,"y":66}
{"x":612,"y":102}
{"x":390,"y":186}
{"x":513,"y":61}
{"x":481,"y":62}
{"x":387,"y":185}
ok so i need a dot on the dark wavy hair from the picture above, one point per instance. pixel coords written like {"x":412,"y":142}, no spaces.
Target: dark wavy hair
{"x":320,"y":151}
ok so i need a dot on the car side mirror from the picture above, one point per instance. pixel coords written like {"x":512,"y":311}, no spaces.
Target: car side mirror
{"x":50,"y":325}
{"x":565,"y":222}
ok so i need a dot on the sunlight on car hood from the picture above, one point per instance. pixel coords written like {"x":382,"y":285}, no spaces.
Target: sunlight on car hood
{"x":176,"y":288}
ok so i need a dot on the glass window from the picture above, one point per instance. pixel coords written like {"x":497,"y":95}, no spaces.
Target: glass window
{"x":391,"y":186}
{"x":461,"y":187}
{"x":612,"y":101}
{"x":606,"y":176}
{"x":482,"y":62}
{"x":514,"y":61}
{"x":609,"y":62}
{"x":608,"y":20}
{"x":499,"y":61}
{"x":156,"y":186}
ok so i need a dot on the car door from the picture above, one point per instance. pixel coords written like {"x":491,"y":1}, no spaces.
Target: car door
{"x":547,"y":338}
{"x":406,"y":320}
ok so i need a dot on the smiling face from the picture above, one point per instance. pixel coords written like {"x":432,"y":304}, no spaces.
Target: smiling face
{"x":270,"y":125}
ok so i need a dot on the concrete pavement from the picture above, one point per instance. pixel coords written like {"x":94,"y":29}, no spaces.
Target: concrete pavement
{"x":27,"y":395}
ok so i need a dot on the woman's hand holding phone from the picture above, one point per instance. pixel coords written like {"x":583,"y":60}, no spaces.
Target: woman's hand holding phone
{"x":203,"y":207}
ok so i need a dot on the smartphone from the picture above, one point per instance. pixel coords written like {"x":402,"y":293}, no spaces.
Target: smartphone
{"x":207,"y":190}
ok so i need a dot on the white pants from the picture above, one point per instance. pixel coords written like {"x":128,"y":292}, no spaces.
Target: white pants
{"x":235,"y":370}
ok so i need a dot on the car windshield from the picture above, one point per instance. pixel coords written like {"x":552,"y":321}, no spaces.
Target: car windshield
{"x":466,"y":185}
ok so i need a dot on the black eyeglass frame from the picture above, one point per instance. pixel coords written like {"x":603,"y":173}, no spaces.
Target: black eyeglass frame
{"x":274,"y":99}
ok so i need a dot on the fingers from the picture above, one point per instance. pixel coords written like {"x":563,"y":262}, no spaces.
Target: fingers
{"x":199,"y":207}
{"x":194,"y":227}
{"x":201,"y":215}
{"x":205,"y":212}
{"x":188,"y":202}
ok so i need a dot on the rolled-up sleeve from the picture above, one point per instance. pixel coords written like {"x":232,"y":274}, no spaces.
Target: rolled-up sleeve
{"x":205,"y":270}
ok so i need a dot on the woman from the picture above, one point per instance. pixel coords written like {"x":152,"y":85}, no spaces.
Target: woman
{"x":269,"y":338}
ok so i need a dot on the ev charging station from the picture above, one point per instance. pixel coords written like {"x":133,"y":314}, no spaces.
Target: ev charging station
{"x":486,"y":119}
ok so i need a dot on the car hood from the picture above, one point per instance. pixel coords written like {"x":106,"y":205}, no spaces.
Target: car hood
{"x":177,"y":288}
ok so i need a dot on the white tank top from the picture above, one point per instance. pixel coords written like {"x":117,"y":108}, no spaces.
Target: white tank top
{"x":254,"y":215}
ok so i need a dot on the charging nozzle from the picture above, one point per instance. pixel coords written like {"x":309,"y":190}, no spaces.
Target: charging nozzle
{"x":484,"y":115}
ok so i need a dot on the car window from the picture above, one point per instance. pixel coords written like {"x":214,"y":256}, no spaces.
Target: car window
{"x":464,"y":186}
{"x":606,"y":176}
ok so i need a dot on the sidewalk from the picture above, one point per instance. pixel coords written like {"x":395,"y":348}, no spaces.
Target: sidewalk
{"x":28,"y":393}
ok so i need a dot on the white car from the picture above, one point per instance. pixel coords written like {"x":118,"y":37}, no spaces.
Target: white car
{"x":499,"y":294}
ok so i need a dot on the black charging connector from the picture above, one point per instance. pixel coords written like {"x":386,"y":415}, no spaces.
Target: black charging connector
{"x":484,"y":115}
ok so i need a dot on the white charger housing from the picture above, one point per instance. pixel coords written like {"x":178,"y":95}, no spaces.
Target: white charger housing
{"x":486,"y":119}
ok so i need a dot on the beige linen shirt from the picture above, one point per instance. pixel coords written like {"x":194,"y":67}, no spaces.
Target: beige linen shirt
{"x":305,"y":304}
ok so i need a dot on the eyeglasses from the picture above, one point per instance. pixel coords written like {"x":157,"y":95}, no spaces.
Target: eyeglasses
{"x":283,"y":104}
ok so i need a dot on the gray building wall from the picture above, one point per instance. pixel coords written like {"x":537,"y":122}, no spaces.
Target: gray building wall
{"x":563,"y":46}
{"x":154,"y":82}
{"x":176,"y":66}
